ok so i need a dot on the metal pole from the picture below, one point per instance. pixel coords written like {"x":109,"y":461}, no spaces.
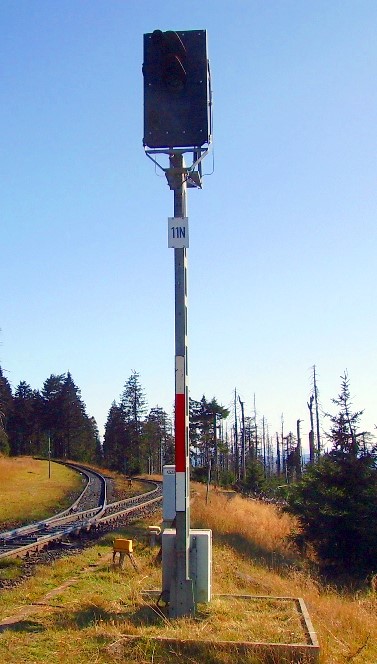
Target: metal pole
{"x":181,"y":600}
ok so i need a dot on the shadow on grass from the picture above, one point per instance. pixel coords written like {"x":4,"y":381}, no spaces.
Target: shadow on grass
{"x":273,"y":560}
{"x":147,"y":615}
{"x":23,"y":626}
{"x":88,"y":616}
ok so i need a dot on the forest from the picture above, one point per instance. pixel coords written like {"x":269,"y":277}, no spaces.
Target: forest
{"x":332,"y":494}
{"x":53,"y":421}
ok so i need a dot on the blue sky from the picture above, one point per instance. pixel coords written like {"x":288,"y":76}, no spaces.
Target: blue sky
{"x":282,"y":236}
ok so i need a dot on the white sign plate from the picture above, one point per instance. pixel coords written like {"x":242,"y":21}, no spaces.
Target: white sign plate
{"x":178,"y":233}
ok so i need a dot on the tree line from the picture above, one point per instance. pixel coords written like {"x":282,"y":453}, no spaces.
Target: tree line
{"x":135,"y":440}
{"x":54,"y":422}
{"x":333,"y":495}
{"x":226,"y":446}
{"x":226,"y":450}
{"x":51,"y":421}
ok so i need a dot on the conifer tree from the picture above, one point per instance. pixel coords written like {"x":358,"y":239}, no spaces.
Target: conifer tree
{"x":6,"y":407}
{"x":133,"y":404}
{"x":77,"y":441}
{"x":39,"y":436}
{"x":343,"y":433}
{"x":93,"y":427}
{"x":66,"y":422}
{"x":22,"y":420}
{"x":52,"y":413}
{"x":115,"y":439}
{"x":204,"y":418}
{"x":158,"y":441}
{"x":336,"y":501}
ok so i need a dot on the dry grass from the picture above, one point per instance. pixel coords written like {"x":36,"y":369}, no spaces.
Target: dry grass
{"x":79,"y":622}
{"x":250,"y":556}
{"x":28,"y":494}
{"x":126,"y":490}
{"x":254,"y":555}
{"x":252,"y":527}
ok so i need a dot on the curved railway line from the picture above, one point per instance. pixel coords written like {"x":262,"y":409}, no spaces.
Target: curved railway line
{"x":90,"y":511}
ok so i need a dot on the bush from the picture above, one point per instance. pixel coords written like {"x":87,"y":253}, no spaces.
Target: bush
{"x":336,"y":506}
{"x":199,"y":473}
{"x":226,"y":478}
{"x":255,"y":480}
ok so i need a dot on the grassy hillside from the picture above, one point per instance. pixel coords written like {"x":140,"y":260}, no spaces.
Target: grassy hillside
{"x":78,"y":609}
{"x":254,"y":554}
{"x":27,"y":492}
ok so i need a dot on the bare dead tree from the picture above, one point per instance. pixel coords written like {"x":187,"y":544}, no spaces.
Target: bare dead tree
{"x":311,"y":432}
{"x":316,"y":394}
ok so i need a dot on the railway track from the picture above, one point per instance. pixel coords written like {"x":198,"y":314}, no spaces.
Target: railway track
{"x":91,"y":511}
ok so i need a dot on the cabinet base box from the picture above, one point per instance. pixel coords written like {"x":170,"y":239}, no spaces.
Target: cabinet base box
{"x":200,"y":562}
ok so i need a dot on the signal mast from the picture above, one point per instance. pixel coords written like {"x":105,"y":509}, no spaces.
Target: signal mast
{"x":178,"y":125}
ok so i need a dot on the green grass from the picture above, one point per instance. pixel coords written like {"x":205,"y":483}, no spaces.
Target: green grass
{"x":10,"y":568}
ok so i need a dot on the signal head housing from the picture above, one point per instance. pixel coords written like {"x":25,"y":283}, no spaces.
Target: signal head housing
{"x":176,"y":89}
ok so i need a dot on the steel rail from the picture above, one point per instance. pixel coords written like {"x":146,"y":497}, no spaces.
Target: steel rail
{"x":45,"y":523}
{"x":21,"y":542}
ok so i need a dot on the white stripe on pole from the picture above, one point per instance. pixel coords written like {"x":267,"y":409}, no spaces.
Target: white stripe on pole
{"x":180,"y":492}
{"x":179,"y":374}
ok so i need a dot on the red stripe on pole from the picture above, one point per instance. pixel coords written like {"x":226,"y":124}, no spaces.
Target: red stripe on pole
{"x":180,"y":433}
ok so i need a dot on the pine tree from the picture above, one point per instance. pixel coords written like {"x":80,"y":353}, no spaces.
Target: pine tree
{"x":255,"y":481}
{"x":336,"y":501}
{"x":6,"y":408}
{"x":115,"y":440}
{"x":65,"y":421}
{"x":133,"y":404}
{"x":77,"y":443}
{"x":158,"y":441}
{"x":343,"y":433}
{"x":39,"y":439}
{"x":52,"y":413}
{"x":93,"y":427}
{"x":22,"y":420}
{"x":204,"y":441}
